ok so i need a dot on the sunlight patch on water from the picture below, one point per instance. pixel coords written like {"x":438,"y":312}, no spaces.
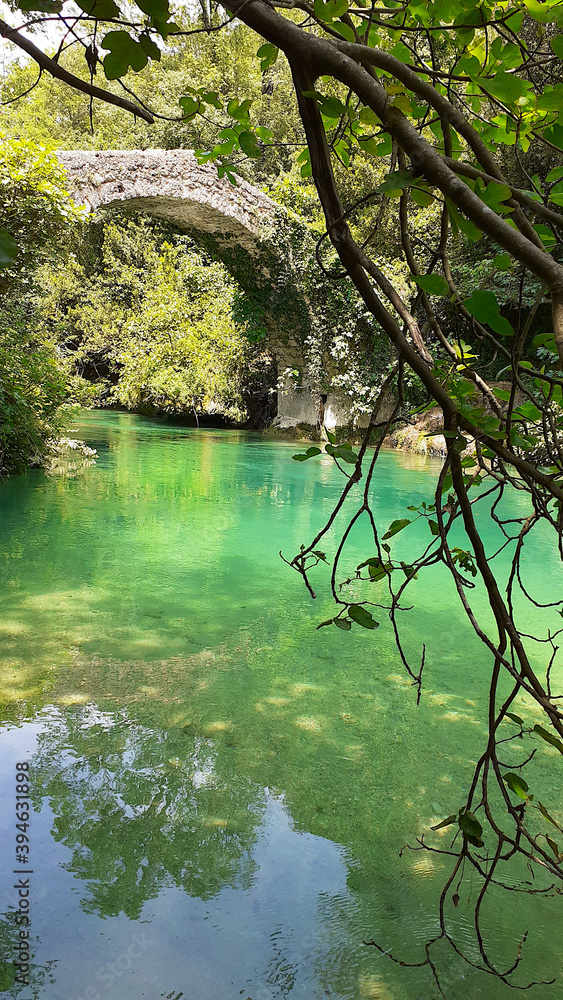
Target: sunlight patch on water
{"x":74,"y":698}
{"x":308,"y":723}
{"x":374,"y":987}
{"x":220,"y":726}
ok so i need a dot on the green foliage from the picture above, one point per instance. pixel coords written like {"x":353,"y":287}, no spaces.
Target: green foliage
{"x":206,"y":73}
{"x":33,"y":389}
{"x":34,"y":211}
{"x":34,"y":207}
{"x":484,"y":306}
{"x":354,"y":613}
{"x":160,"y":336}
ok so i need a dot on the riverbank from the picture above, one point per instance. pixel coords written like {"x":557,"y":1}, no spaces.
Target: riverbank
{"x":417,"y":437}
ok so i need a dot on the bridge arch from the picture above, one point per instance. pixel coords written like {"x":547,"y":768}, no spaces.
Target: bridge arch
{"x":269,"y":252}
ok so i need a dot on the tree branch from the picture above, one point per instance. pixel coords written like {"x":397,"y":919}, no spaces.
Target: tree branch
{"x":52,"y":67}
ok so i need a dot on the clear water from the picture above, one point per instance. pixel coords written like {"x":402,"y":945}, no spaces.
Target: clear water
{"x":221,"y":792}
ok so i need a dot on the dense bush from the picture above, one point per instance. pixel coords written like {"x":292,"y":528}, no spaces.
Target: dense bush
{"x":142,"y":312}
{"x":35,"y":210}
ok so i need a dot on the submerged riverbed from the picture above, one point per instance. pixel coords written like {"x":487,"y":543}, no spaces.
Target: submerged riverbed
{"x":220,"y":793}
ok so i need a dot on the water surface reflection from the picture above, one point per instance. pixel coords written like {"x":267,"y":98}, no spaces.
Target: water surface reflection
{"x":221,"y":792}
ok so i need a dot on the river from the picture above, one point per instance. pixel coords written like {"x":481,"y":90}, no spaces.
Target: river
{"x":220,"y":792}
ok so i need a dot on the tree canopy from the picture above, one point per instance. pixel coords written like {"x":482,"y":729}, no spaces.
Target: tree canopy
{"x":34,"y":211}
{"x":462,"y":103}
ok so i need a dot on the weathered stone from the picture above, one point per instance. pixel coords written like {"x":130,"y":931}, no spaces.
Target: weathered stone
{"x":261,"y":245}
{"x":172,"y":185}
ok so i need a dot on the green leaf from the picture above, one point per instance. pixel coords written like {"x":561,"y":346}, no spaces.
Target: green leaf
{"x":434,"y":284}
{"x":495,"y":194}
{"x":549,"y":738}
{"x":448,"y":483}
{"x":502,"y":261}
{"x":509,"y":55}
{"x":397,"y":180}
{"x":515,"y":718}
{"x":554,"y":134}
{"x":330,"y":10}
{"x":409,"y":571}
{"x":189,"y":106}
{"x":556,"y":195}
{"x":396,"y":526}
{"x":320,"y":555}
{"x":550,"y":99}
{"x":347,"y":454}
{"x":547,"y":816}
{"x":159,"y":10}
{"x":223,"y":170}
{"x":303,"y":456}
{"x":542,"y":12}
{"x":304,"y":161}
{"x":125,"y":52}
{"x":544,"y":340}
{"x":150,"y":47}
{"x":516,"y":785}
{"x":268,"y":54}
{"x":249,"y":144}
{"x":445,"y":822}
{"x":264,"y":133}
{"x":385,"y":148}
{"x":401,"y":52}
{"x":434,"y":527}
{"x":331,"y":107}
{"x":471,"y":828}
{"x":342,"y":451}
{"x":376,"y":569}
{"x":421,"y":197}
{"x":343,"y":150}
{"x":362,"y":617}
{"x":459,"y":222}
{"x":105,"y":10}
{"x":557,"y":46}
{"x":43,"y":6}
{"x":545,"y":234}
{"x":342,"y":623}
{"x":368,"y":116}
{"x":345,"y":30}
{"x":212,"y":97}
{"x":376,"y":575}
{"x":529,"y":411}
{"x":372,"y":561}
{"x":8,"y":249}
{"x":485,"y":308}
{"x":369,"y":146}
{"x":164,"y":27}
{"x":553,"y":846}
{"x":506,"y":87}
{"x":239,"y":111}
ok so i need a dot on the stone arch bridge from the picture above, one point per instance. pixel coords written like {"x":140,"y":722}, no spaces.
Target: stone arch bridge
{"x":269,"y":252}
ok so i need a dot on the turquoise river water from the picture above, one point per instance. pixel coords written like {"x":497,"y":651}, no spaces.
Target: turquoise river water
{"x":219,"y":792}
